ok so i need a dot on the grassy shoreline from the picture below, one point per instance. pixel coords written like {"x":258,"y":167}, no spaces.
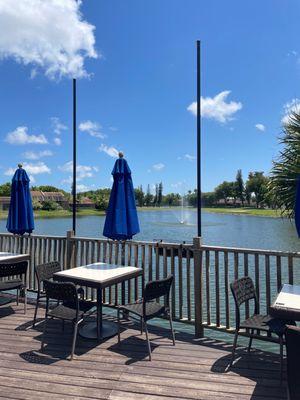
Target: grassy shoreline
{"x":218,"y":210}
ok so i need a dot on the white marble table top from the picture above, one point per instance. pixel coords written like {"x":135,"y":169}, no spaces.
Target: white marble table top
{"x":6,"y":257}
{"x":288,"y":297}
{"x":100,"y":273}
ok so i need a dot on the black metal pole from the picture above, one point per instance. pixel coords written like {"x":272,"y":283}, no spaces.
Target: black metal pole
{"x":74,"y":156}
{"x":199,"y":230}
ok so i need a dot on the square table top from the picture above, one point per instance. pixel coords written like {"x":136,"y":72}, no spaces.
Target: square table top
{"x":288,"y":297}
{"x":6,"y":257}
{"x":99,"y":274}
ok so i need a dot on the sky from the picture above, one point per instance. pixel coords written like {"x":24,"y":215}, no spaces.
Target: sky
{"x":135,"y":64}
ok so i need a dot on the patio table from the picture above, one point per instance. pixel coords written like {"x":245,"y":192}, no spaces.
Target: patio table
{"x":12,"y":258}
{"x":99,"y":276}
{"x":287,"y":303}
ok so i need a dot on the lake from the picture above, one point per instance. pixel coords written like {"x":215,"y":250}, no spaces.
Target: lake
{"x":218,"y":229}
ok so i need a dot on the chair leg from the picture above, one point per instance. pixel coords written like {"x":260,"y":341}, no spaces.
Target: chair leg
{"x":74,"y":339}
{"x":119,"y":326}
{"x":147,"y":338}
{"x":44,"y":333}
{"x":36,"y":310}
{"x":25,"y":300}
{"x":250,"y":340}
{"x":18,"y":297}
{"x":142,"y":327}
{"x":234,"y":347}
{"x":281,"y":357}
{"x":172,"y":330}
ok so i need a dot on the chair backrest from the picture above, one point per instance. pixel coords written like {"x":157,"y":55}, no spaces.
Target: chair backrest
{"x":13,"y":269}
{"x":293,"y":357}
{"x":46,"y":271}
{"x":61,"y":291}
{"x":159,"y":288}
{"x":243,"y":290}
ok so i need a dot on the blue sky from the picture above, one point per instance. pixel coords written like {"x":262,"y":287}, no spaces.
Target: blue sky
{"x":138,"y":91}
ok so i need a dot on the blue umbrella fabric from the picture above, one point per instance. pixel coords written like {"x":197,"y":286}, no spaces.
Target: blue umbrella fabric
{"x":20,"y":217}
{"x":297,"y":207}
{"x":121,"y":221}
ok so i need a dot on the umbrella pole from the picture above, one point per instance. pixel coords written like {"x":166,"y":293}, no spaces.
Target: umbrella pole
{"x":74,"y":156}
{"x":199,"y":216}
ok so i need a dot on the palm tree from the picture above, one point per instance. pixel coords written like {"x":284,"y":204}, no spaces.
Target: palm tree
{"x":286,"y":169}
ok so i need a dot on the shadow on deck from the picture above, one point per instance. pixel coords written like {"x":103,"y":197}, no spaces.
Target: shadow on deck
{"x":193,"y":369}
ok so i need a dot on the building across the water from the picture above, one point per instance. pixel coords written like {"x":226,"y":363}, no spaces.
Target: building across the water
{"x":38,"y":196}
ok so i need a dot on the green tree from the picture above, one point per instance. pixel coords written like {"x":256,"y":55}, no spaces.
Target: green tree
{"x":258,"y":184}
{"x":5,"y":189}
{"x":139,"y":196}
{"x":239,"y":186}
{"x":286,"y":168}
{"x":49,"y":205}
{"x":223,"y":191}
{"x":159,"y":194}
{"x":148,"y":197}
{"x":208,"y":199}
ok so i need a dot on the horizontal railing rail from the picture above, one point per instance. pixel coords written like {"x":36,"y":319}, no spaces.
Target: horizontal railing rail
{"x":202,"y":274}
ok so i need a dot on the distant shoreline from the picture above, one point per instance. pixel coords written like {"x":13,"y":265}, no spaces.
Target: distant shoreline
{"x":248,"y":211}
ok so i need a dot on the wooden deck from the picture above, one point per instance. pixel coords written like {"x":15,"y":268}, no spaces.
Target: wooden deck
{"x":193,"y":369}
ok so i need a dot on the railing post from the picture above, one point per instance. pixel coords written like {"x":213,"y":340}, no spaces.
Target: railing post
{"x":198,"y":292}
{"x":70,"y":262}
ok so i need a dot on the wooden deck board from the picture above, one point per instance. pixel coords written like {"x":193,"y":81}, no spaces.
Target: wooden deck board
{"x":193,"y":369}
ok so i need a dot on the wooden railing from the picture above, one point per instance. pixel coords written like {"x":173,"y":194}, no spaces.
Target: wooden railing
{"x":201,"y":291}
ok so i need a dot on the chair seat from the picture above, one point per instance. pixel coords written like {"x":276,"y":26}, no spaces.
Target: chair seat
{"x":11,"y":284}
{"x":63,"y":312}
{"x":266,"y":323}
{"x":84,"y":305}
{"x":153,"y":309}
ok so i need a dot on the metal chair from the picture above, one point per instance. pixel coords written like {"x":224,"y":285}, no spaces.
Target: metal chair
{"x":147,"y":308}
{"x":293,"y":355}
{"x":45,"y":272}
{"x":63,"y":292}
{"x":15,"y":272}
{"x":243,"y":291}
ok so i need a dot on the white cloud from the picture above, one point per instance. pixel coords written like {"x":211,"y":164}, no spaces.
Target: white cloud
{"x":31,"y":155}
{"x":188,"y":157}
{"x":92,"y":128}
{"x":113,"y":128}
{"x":57,"y":141}
{"x":289,"y":108}
{"x":109,"y":150}
{"x":32,"y":179}
{"x":158,"y":167}
{"x":32,"y":169}
{"x":216,"y":107}
{"x":48,"y":34}
{"x":20,"y":136}
{"x":260,"y":127}
{"x":58,"y":126}
{"x":82,"y":171}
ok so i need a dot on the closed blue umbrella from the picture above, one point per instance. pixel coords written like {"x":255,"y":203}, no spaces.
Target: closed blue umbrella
{"x":121,"y":221}
{"x":297,"y":207}
{"x":20,"y":217}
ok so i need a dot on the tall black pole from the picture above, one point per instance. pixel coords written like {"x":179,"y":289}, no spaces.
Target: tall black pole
{"x":74,"y":156}
{"x":199,"y":230}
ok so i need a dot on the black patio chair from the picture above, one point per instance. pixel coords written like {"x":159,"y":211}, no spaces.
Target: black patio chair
{"x":147,"y":308}
{"x":67,"y":308}
{"x":293,"y":356}
{"x":15,"y":272}
{"x":45,"y":272}
{"x":243,"y":291}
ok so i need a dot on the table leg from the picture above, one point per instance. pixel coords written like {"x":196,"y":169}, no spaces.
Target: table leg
{"x":99,"y":314}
